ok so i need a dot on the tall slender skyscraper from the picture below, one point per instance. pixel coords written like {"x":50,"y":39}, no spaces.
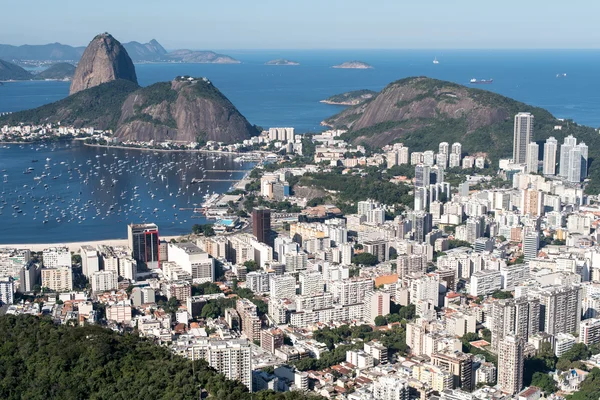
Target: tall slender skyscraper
{"x":532,"y":157}
{"x":510,"y":364}
{"x":550,"y":156}
{"x":422,"y":175}
{"x":522,"y":136}
{"x":261,"y":224}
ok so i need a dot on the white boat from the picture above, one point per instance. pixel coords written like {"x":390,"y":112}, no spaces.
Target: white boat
{"x":435,"y":60}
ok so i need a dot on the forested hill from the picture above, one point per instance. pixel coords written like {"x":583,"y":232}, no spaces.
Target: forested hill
{"x":43,"y":361}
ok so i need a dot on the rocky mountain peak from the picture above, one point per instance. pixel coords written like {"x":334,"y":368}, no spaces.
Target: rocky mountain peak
{"x":104,"y":60}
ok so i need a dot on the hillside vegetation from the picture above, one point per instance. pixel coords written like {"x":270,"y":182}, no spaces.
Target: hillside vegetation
{"x":351,"y":98}
{"x":43,"y":361}
{"x":10,"y":71}
{"x":57,"y":71}
{"x":422,"y":112}
{"x":99,"y":107}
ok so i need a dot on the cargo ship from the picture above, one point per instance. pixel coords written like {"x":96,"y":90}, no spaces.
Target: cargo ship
{"x":482,"y":81}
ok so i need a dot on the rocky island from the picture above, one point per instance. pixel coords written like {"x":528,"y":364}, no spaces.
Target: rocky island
{"x":282,"y":61}
{"x":352,"y":98}
{"x":353,"y":65}
{"x":199,"y":57}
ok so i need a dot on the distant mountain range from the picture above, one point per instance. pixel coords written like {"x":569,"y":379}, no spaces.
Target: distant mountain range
{"x":139,"y":52}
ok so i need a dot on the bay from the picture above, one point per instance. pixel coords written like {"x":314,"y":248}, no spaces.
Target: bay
{"x":91,"y":193}
{"x":266,"y":96}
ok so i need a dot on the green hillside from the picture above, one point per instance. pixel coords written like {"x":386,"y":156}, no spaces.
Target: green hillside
{"x":40,"y":360}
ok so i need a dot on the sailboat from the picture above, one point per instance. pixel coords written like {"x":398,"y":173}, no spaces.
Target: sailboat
{"x":435,"y":60}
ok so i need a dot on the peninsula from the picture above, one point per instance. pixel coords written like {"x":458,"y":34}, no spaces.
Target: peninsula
{"x":353,"y":65}
{"x":352,"y":98}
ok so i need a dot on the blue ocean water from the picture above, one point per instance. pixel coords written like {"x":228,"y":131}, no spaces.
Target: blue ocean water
{"x":267,"y":96}
{"x":289,"y":95}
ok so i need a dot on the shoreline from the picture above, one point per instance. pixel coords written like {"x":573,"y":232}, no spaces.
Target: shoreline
{"x":237,"y":153}
{"x":76,"y":246}
{"x":335,"y":103}
{"x":171,"y":150}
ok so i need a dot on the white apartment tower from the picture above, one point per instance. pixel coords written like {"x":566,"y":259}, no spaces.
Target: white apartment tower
{"x":565,"y":153}
{"x":550,"y":156}
{"x":532,"y":157}
{"x":55,"y":257}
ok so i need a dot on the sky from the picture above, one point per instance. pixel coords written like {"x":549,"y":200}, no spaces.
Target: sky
{"x":308,"y":24}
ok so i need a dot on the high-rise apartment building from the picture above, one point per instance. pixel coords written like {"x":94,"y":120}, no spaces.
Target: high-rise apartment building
{"x":7,"y":290}
{"x":271,"y":339}
{"x":565,"y":153}
{"x":531,"y":246}
{"x":577,"y":163}
{"x":193,"y":260}
{"x":376,"y":303}
{"x":519,"y":317}
{"x":251,"y":323}
{"x":560,"y":308}
{"x":103,"y":281}
{"x":456,"y":149}
{"x":261,"y":224}
{"x":550,"y":148}
{"x":54,"y":257}
{"x":282,"y":287}
{"x":59,"y":279}
{"x":532,"y":157}
{"x":523,"y":133}
{"x":145,"y":244}
{"x":90,"y":262}
{"x":232,"y":358}
{"x":422,"y":175}
{"x":459,"y":364}
{"x":510,"y":364}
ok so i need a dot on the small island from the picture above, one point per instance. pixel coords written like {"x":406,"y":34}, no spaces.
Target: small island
{"x":352,"y":98}
{"x":353,"y":65}
{"x":282,"y":61}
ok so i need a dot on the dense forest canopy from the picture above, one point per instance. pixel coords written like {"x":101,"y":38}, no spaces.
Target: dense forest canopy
{"x":40,"y":360}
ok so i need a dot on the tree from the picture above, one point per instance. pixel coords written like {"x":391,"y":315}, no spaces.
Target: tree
{"x":364,"y":259}
{"x":470,"y":337}
{"x":544,"y":382}
{"x":499,"y":294}
{"x":408,"y":312}
{"x":251,"y":265}
{"x":208,"y":230}
{"x":578,"y":352}
{"x":75,"y":259}
{"x":380,"y":320}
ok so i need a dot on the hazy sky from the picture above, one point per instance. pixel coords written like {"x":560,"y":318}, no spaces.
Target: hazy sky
{"x":287,"y":24}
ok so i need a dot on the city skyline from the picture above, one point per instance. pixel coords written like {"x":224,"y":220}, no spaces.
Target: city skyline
{"x":308,"y":25}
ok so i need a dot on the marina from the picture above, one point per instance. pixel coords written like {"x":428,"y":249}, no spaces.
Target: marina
{"x":66,"y":191}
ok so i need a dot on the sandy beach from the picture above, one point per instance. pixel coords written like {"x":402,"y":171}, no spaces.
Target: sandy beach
{"x":75,"y":246}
